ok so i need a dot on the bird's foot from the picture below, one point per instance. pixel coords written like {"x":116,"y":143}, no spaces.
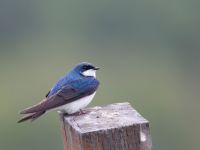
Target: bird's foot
{"x":81,"y":112}
{"x":65,"y":114}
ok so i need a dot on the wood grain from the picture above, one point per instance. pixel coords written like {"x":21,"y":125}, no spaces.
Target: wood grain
{"x":112,"y":127}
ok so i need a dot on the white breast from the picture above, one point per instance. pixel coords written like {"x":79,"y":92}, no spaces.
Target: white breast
{"x":75,"y":106}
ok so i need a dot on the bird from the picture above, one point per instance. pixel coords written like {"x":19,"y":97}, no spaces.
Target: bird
{"x":71,"y":93}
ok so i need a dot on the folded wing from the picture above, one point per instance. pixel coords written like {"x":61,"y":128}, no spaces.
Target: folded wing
{"x":66,"y":95}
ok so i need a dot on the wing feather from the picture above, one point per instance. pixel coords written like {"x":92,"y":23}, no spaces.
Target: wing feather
{"x":66,"y":95}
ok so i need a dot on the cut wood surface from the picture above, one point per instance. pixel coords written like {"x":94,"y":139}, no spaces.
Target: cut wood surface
{"x":112,"y":127}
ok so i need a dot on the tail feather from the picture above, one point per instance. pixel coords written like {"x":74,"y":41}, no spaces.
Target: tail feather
{"x":34,"y":108}
{"x":25,"y":118}
{"x":31,"y":117}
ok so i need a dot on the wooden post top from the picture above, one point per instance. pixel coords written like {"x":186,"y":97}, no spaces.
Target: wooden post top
{"x":107,"y":117}
{"x":112,"y":127}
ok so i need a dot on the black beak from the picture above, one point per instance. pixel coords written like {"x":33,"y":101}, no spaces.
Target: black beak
{"x":96,"y":68}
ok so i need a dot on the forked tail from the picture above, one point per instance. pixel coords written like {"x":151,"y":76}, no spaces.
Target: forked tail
{"x":31,"y":116}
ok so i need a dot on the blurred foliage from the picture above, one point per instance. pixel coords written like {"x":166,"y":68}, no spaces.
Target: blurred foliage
{"x":149,"y":52}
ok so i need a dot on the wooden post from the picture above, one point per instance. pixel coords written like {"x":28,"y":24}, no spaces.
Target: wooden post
{"x":112,"y":127}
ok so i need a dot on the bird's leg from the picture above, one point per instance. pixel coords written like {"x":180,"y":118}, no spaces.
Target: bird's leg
{"x":62,"y":113}
{"x":65,"y":114}
{"x":82,"y":112}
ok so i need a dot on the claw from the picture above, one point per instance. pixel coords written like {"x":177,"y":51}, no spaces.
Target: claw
{"x":81,"y":112}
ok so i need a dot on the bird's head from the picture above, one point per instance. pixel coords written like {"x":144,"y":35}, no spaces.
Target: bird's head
{"x":86,"y":69}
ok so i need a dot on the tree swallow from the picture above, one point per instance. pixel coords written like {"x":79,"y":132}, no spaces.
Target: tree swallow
{"x":69,"y":95}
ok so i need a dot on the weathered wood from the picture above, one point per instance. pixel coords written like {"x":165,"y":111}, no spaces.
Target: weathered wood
{"x":112,"y":127}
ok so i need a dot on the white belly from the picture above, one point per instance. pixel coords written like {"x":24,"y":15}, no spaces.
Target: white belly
{"x":75,"y":106}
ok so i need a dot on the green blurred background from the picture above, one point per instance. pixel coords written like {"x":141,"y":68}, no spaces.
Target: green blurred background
{"x":148,"y":51}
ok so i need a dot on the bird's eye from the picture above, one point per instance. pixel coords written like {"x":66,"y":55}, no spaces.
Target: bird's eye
{"x":85,"y":67}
